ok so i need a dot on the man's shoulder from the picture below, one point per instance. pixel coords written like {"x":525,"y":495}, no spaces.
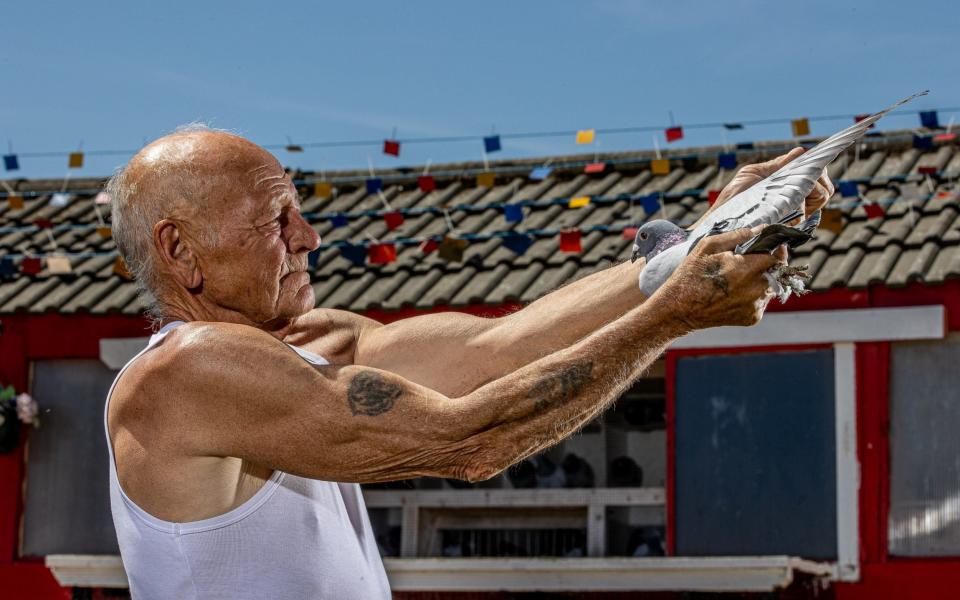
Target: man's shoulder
{"x":330,"y":332}
{"x":193,"y":346}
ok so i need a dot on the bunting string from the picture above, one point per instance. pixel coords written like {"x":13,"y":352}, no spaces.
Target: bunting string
{"x":341,"y":218}
{"x":376,"y":182}
{"x":486,"y":138}
{"x":538,"y":233}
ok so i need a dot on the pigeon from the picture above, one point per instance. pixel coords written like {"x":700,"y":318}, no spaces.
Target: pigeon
{"x":775,"y":202}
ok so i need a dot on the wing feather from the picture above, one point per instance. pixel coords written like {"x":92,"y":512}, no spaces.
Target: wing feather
{"x":784,"y":192}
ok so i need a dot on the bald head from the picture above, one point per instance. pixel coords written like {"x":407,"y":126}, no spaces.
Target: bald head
{"x":191,"y":176}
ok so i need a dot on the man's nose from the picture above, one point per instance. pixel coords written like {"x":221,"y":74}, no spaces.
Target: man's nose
{"x":302,"y":236}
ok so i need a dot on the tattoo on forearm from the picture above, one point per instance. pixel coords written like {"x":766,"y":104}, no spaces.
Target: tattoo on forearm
{"x":713,"y":274}
{"x":560,"y":386}
{"x":370,"y":394}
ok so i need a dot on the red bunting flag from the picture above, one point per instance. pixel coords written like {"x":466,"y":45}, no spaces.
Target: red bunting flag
{"x":381,"y":254}
{"x":391,"y":147}
{"x":570,"y":240}
{"x":629,"y":233}
{"x":712,"y":196}
{"x":30,"y":265}
{"x":873,"y":210}
{"x":927,"y":170}
{"x":674,"y":133}
{"x":595,"y":167}
{"x":393,"y":219}
{"x":428,"y":245}
{"x":426,"y":183}
{"x":859,"y":118}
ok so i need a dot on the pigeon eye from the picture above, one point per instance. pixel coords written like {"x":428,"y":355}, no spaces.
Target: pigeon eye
{"x":643,"y":235}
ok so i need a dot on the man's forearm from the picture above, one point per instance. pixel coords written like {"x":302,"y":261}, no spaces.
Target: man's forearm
{"x":568,"y":314}
{"x":539,"y":404}
{"x":455,"y":353}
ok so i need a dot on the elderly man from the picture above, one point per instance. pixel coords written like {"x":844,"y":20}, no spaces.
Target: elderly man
{"x":238,"y":436}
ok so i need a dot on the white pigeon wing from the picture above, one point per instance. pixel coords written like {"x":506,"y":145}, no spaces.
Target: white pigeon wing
{"x":784,"y":192}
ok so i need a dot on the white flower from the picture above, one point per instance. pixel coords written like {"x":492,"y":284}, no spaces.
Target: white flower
{"x":27,"y":410}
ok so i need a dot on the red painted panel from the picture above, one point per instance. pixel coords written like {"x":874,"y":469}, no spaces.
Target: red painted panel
{"x":13,"y":370}
{"x":873,"y":408}
{"x":835,"y":299}
{"x":670,"y":389}
{"x":914,"y":580}
{"x":30,"y":581}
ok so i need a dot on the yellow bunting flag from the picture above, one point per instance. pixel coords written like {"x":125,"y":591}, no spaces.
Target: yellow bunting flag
{"x":451,"y":249}
{"x":105,"y":232}
{"x":323,"y":189}
{"x":831,"y":219}
{"x":15,"y":202}
{"x":660,"y":166}
{"x":120,"y":268}
{"x":585,"y":136}
{"x":486,"y":179}
{"x":579,"y":201}
{"x":76,"y":160}
{"x":800,"y":127}
{"x":58,"y":265}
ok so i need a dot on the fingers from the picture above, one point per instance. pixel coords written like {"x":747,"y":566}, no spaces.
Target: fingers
{"x":765,"y":169}
{"x":729,"y":240}
{"x":822,"y":191}
{"x":780,"y":254}
{"x":827,"y":184}
{"x":761,"y":262}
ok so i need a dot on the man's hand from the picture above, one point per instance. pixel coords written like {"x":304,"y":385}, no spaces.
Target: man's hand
{"x":750,"y":175}
{"x":714,"y":287}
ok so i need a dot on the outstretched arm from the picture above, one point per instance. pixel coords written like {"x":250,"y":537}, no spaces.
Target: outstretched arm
{"x":362,"y":424}
{"x":456,"y":353}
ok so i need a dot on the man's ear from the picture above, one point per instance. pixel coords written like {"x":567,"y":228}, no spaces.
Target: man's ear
{"x":177,"y":253}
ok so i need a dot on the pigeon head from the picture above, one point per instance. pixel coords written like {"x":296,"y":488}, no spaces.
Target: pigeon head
{"x":655,"y":237}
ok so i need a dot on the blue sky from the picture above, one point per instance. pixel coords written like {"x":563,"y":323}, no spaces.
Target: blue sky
{"x":115,"y":76}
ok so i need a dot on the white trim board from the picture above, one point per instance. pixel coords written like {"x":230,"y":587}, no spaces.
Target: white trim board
{"x":827,"y":327}
{"x":748,"y":574}
{"x":116,"y":352}
{"x":848,"y":465}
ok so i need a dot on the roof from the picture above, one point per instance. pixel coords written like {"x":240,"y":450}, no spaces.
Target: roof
{"x":912,"y":242}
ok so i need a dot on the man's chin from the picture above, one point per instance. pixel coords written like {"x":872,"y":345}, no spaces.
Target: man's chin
{"x":300,"y":304}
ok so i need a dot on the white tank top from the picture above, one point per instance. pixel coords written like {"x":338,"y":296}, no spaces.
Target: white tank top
{"x":295,"y":538}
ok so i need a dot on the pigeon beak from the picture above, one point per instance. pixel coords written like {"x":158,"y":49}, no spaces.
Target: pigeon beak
{"x":636,"y":254}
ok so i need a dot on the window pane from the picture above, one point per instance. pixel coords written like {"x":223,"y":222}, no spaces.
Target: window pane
{"x":925,"y":448}
{"x":68,"y":496}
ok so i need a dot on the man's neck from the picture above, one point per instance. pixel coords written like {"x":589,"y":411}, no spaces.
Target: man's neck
{"x":278,"y":328}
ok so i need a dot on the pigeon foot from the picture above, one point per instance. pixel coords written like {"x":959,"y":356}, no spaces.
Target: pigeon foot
{"x":786,"y":281}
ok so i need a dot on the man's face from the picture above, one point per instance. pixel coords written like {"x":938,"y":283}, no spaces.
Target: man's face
{"x":258,"y":265}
